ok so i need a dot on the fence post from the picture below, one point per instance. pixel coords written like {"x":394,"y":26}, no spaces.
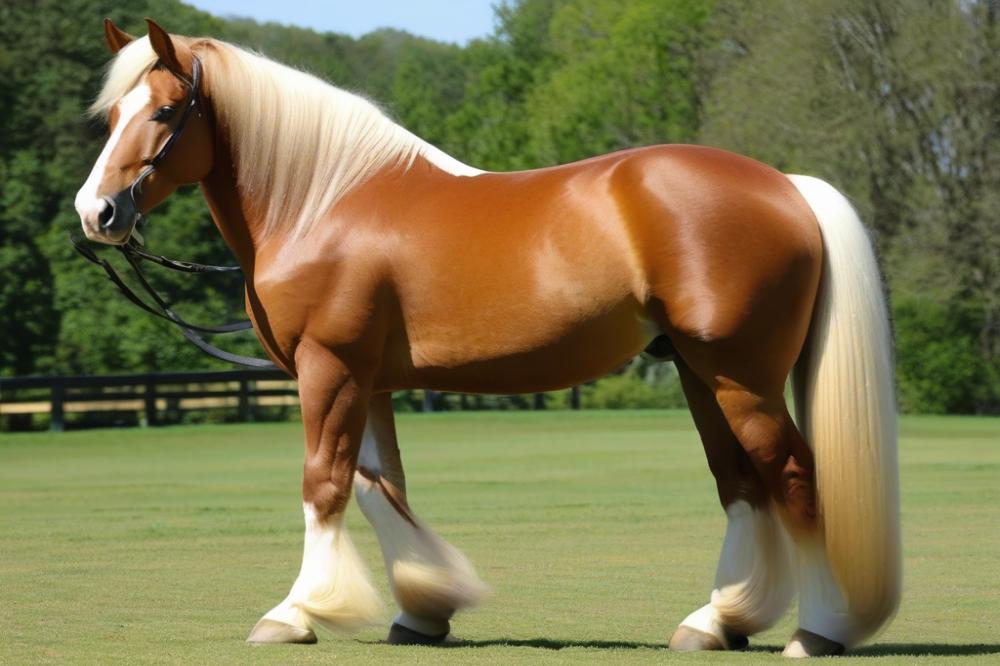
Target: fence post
{"x":244,"y":401}
{"x":150,"y":398}
{"x":428,"y":405}
{"x":539,"y":402}
{"x":56,"y":420}
{"x":574,"y":397}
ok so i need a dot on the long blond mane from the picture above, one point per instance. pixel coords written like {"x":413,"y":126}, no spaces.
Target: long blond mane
{"x":299,"y":144}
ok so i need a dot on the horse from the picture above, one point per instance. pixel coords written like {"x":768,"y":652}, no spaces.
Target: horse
{"x":375,"y":262}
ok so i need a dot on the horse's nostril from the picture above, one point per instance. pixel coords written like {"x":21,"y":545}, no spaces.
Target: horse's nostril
{"x":106,"y":215}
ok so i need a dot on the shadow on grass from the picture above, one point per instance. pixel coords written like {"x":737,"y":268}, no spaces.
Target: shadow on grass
{"x":907,"y":649}
{"x":554,"y":644}
{"x":878,"y":650}
{"x":926,"y":649}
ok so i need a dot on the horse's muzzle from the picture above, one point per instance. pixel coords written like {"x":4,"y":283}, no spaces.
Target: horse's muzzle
{"x":118,"y":218}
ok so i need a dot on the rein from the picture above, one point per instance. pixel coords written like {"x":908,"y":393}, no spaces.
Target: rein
{"x":135,"y":253}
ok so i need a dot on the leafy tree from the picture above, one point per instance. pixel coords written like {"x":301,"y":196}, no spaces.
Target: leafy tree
{"x":427,"y":87}
{"x":491,"y":127}
{"x":898,"y":103}
{"x":625,"y":77}
{"x":938,"y":361}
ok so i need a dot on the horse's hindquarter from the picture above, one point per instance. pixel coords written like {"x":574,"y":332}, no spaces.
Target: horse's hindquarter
{"x":731,"y":251}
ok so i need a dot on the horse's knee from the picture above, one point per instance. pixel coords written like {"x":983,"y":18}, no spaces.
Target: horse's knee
{"x":322,"y":489}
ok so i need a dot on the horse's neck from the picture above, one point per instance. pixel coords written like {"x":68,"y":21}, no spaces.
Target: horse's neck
{"x":241,"y":223}
{"x":239,"y":231}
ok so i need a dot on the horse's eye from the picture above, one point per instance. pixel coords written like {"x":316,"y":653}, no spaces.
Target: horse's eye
{"x":163,"y":113}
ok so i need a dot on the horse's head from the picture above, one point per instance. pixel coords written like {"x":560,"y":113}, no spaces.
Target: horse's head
{"x":160,"y":134}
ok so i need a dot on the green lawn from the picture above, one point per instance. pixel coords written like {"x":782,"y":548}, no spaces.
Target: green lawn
{"x":598,"y":532}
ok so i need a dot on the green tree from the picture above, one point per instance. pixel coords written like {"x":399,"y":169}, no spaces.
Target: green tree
{"x":427,"y":87}
{"x":625,"y":77}
{"x":898,"y":103}
{"x":491,"y":127}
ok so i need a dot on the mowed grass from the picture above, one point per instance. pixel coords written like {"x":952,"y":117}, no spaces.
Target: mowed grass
{"x":598,"y":532}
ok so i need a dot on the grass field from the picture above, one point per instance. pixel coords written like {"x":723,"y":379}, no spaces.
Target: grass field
{"x":598,"y":532}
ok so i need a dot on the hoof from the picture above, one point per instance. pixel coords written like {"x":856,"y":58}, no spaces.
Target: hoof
{"x":272,"y":631}
{"x":737,"y":642}
{"x":400,"y":635}
{"x":689,"y":639}
{"x":807,"y":644}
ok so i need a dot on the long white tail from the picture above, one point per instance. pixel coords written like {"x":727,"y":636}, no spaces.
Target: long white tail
{"x":846,"y":409}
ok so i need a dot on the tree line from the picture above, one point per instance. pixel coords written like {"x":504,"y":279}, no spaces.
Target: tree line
{"x":895,"y":102}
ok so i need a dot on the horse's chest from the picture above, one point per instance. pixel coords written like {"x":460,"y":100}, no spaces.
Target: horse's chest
{"x":325,"y":302}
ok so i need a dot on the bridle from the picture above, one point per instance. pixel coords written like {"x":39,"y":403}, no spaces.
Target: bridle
{"x":124,"y":206}
{"x":134,"y":252}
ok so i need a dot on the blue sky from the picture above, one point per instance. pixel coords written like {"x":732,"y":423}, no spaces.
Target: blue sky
{"x":445,"y":20}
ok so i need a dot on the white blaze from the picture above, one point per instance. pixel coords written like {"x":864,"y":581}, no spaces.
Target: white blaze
{"x":88,"y":204}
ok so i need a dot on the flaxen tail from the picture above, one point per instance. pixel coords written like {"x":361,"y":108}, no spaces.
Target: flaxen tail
{"x":846,"y":409}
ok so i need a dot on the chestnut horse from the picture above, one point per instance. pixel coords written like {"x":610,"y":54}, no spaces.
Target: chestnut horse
{"x":374,"y":262}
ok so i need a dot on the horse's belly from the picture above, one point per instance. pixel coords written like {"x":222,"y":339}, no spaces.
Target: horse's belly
{"x":528,"y":356}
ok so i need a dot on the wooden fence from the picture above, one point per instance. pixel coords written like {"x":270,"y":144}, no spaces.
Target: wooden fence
{"x":149,"y":395}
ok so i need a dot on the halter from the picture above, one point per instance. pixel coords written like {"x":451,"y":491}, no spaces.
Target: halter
{"x":135,"y":253}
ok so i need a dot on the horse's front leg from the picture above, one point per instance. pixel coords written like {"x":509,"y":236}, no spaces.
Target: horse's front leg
{"x":333,"y":588}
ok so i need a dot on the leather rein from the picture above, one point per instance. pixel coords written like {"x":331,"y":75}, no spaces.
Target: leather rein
{"x":135,"y":253}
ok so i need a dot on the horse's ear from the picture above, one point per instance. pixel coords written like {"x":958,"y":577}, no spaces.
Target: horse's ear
{"x":115,"y":37}
{"x":164,"y":47}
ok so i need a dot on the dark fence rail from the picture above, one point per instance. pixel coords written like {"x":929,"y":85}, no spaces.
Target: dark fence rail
{"x":149,"y":394}
{"x":146,"y":398}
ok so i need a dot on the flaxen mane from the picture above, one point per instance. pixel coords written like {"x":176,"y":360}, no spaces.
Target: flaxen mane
{"x":299,"y":143}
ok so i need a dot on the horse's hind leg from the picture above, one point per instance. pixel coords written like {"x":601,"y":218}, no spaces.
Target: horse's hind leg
{"x":430,"y":578}
{"x":753,"y":583}
{"x":754,"y":409}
